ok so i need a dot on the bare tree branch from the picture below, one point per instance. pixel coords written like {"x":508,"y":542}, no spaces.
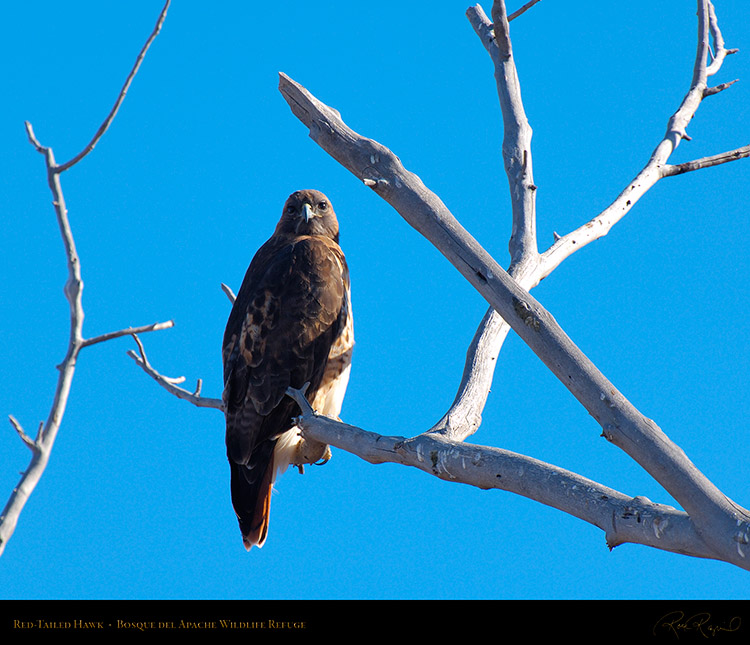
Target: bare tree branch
{"x":623,"y":518}
{"x":42,"y":446}
{"x":464,"y":416}
{"x":523,"y":9}
{"x":623,"y":425}
{"x":170,"y":384}
{"x":130,"y":331}
{"x":710,"y":91}
{"x":527,"y":267}
{"x":657,"y":166}
{"x":228,"y":291}
{"x":121,"y":96}
{"x":716,"y":517}
{"x":516,"y":140}
{"x":31,"y":443}
{"x":706,"y":162}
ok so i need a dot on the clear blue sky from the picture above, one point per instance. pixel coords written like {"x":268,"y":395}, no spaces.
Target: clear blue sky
{"x":190,"y":180}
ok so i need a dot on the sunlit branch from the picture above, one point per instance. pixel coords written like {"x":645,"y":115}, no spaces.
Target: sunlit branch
{"x":624,"y":519}
{"x":657,"y":166}
{"x":706,"y":162}
{"x":621,"y":423}
{"x":464,"y":416}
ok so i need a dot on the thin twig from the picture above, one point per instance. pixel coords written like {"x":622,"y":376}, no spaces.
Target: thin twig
{"x":171,"y":380}
{"x":121,"y":96}
{"x":170,"y":383}
{"x":705,"y":162}
{"x":298,"y":395}
{"x":32,"y":138}
{"x":228,"y":291}
{"x":710,"y":91}
{"x":130,"y":331}
{"x":657,"y":167}
{"x":523,"y":9}
{"x":33,"y":445}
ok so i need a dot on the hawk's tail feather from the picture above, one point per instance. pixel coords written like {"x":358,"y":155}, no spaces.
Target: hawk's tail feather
{"x":251,"y":488}
{"x":258,"y":532}
{"x":251,"y":498}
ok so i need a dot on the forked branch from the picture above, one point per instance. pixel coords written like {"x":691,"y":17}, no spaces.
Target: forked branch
{"x":720,"y":523}
{"x":657,"y":166}
{"x":41,"y":446}
{"x":171,"y":383}
{"x":528,"y":267}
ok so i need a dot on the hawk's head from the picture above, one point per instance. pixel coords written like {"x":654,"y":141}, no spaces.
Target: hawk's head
{"x":309,"y":212}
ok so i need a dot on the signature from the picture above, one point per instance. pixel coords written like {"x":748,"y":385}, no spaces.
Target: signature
{"x":678,"y":623}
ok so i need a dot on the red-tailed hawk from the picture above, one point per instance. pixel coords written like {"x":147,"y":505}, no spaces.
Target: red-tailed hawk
{"x":291,"y":324}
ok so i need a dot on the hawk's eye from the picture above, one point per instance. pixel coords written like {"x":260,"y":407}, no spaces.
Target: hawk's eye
{"x":290,"y":209}
{"x":323,"y":206}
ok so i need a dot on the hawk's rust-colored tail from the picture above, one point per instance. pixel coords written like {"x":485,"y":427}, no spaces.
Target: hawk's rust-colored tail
{"x":251,"y":499}
{"x":262,"y":516}
{"x":252,"y":486}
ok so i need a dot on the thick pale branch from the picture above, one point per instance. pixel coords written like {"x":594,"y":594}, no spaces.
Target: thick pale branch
{"x":517,"y":132}
{"x":622,"y":518}
{"x":464,"y":416}
{"x":622,"y":424}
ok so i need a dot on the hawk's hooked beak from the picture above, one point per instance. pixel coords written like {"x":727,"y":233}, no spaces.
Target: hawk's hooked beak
{"x":307,"y":213}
